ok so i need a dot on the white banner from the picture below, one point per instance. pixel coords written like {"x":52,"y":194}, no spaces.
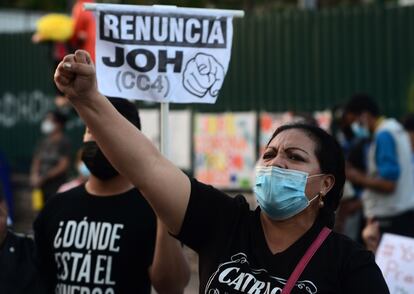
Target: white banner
{"x":162,"y":55}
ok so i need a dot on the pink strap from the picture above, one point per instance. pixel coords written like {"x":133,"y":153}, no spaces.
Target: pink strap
{"x":305,"y":260}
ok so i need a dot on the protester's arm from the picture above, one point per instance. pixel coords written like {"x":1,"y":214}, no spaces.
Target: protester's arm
{"x":34,"y":172}
{"x":169,"y":272}
{"x":387,"y":167}
{"x":63,"y":163}
{"x":371,"y":235}
{"x":375,"y":183}
{"x":165,"y":186}
{"x":60,"y":168}
{"x":386,"y":161}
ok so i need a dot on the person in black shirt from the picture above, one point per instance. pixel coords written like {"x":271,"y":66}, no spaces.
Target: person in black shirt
{"x":18,"y":273}
{"x":286,"y":245}
{"x":103,"y":237}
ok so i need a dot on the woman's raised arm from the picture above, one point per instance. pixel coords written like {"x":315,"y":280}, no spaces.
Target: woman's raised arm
{"x":164,"y":185}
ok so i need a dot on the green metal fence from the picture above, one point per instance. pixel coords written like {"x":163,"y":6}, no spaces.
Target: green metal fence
{"x":26,"y":94}
{"x":312,"y":60}
{"x":287,"y":60}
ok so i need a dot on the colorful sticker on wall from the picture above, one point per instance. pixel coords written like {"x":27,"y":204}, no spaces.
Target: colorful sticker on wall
{"x":224,"y":149}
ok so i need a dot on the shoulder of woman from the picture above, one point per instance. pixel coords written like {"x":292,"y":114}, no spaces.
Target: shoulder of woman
{"x":202,"y":188}
{"x":353,"y":254}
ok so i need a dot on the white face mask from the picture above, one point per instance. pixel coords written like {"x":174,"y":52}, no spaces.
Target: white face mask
{"x":47,"y":127}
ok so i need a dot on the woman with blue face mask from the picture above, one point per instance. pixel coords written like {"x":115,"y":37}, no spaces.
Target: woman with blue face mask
{"x":284,"y":246}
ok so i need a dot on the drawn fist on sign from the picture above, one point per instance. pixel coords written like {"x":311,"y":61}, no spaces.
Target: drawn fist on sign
{"x":203,"y":74}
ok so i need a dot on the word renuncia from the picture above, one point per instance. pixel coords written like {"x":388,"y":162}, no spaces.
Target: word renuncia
{"x":148,"y":29}
{"x":88,"y":235}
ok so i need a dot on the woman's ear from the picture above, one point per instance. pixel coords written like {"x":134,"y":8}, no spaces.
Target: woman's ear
{"x":327,"y":184}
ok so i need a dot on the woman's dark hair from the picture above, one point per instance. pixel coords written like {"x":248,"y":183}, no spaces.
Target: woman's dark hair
{"x":331,"y":161}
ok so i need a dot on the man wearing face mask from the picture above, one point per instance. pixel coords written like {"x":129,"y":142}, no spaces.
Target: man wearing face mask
{"x":388,"y":185}
{"x":51,"y":160}
{"x":354,"y":141}
{"x":103,"y":237}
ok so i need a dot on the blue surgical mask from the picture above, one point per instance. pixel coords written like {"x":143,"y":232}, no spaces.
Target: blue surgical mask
{"x":359,"y":130}
{"x":281,"y":192}
{"x":83,"y":170}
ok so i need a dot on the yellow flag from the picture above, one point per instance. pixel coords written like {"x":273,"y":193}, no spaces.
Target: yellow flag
{"x":55,"y":27}
{"x":37,"y":199}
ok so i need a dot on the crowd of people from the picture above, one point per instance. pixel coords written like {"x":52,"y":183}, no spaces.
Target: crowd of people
{"x":310,"y":189}
{"x":90,"y":229}
{"x":379,"y":171}
{"x":299,"y":184}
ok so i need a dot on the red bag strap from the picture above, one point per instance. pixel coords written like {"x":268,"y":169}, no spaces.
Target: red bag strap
{"x":305,"y":260}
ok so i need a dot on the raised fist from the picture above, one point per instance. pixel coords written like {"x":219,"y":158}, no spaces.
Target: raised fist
{"x":203,"y":74}
{"x":75,"y":75}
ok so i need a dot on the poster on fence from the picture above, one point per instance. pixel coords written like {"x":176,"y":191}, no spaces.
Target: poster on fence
{"x":395,"y":257}
{"x":269,"y":122}
{"x":162,"y":54}
{"x":323,"y":119}
{"x":180,"y":148}
{"x":224,"y":149}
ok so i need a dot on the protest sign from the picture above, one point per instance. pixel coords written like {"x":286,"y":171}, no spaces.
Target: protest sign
{"x":162,"y":55}
{"x":395,"y":257}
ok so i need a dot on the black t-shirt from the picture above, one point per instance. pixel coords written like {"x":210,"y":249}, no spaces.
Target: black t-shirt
{"x":234,"y":256}
{"x":91,"y":244}
{"x":18,"y":273}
